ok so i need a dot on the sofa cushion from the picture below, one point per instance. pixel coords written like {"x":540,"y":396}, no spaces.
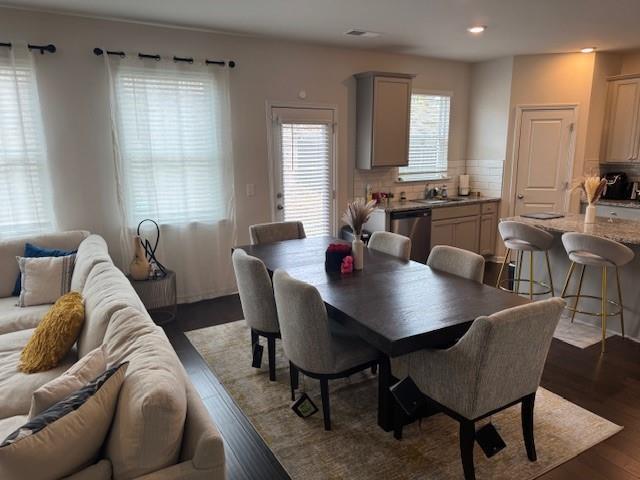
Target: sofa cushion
{"x":147,"y":429}
{"x":44,"y":279}
{"x":92,"y":250}
{"x":10,"y":424}
{"x":97,"y":471}
{"x":10,"y":249}
{"x":107,"y":290}
{"x":14,"y":318}
{"x":16,"y":387}
{"x":33,"y":251}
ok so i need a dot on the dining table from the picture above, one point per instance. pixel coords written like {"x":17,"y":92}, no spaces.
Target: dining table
{"x":396,"y":306}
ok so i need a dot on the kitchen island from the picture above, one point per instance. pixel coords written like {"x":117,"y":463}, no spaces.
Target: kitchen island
{"x":621,"y":230}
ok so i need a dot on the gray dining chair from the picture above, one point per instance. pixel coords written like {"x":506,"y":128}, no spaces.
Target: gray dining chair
{"x":276,"y":232}
{"x":457,"y":261}
{"x":258,"y":303}
{"x":391,"y":244}
{"x":495,"y":365}
{"x":308,"y":342}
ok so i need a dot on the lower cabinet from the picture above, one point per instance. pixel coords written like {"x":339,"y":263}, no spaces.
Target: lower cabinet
{"x":488,"y":231}
{"x":470,"y":227}
{"x":458,"y":232}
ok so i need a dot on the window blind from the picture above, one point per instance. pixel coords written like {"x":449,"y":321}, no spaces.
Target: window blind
{"x":172,"y":158}
{"x":306,"y":175}
{"x":428,"y":137}
{"x":23,"y":179}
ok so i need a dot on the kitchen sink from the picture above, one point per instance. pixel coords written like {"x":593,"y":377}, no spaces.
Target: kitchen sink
{"x":437,"y":201}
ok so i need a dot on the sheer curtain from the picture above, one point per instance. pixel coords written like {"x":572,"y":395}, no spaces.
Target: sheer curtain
{"x":25,"y":202}
{"x":174,"y":164}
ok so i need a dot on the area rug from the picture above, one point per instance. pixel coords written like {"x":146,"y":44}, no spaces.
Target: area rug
{"x":357,"y":448}
{"x":578,"y":333}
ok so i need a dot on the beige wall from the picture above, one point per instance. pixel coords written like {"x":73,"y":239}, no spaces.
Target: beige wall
{"x":74,"y":103}
{"x":630,"y":62}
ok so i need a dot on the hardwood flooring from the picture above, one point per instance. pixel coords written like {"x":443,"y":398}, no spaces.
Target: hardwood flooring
{"x":607,"y":385}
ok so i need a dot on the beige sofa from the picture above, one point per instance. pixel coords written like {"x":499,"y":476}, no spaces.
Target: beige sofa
{"x":161,"y":429}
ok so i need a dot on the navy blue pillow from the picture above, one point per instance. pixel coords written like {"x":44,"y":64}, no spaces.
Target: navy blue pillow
{"x":33,"y":251}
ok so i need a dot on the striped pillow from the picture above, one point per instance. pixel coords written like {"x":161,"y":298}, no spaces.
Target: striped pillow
{"x":44,"y":279}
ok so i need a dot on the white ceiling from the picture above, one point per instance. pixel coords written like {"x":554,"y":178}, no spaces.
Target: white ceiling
{"x":423,"y":27}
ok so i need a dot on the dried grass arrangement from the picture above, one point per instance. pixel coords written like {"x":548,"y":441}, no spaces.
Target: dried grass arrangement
{"x":357,"y":214}
{"x":593,"y":187}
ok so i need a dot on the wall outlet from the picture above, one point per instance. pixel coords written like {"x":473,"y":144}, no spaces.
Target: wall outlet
{"x":251,"y":189}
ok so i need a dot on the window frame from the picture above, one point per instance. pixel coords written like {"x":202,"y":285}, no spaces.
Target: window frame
{"x":419,"y":177}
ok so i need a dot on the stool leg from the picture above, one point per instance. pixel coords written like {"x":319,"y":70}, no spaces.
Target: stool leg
{"x":575,"y":305}
{"x":620,"y":301}
{"x":531,"y":275}
{"x":520,"y":258}
{"x":604,"y":307}
{"x":504,"y":264}
{"x":546,"y":255}
{"x":566,"y":282}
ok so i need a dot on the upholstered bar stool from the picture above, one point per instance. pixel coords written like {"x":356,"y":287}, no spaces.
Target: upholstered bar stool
{"x":519,"y":238}
{"x":592,"y":251}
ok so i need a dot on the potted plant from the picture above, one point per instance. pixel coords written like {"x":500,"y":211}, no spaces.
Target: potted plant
{"x":593,"y":187}
{"x":356,"y":215}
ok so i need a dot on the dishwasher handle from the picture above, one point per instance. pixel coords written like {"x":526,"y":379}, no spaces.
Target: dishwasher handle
{"x":410,"y":214}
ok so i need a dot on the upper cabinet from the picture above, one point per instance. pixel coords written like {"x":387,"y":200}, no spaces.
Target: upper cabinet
{"x":382,"y":119}
{"x":621,"y":140}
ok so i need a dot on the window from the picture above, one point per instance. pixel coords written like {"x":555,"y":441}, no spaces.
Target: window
{"x":428,"y":138}
{"x":25,"y":206}
{"x":169,"y":124}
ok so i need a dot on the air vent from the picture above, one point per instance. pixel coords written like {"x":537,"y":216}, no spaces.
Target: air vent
{"x":362,"y":33}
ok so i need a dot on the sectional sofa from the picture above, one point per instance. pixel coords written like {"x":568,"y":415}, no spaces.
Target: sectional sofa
{"x":161,"y":429}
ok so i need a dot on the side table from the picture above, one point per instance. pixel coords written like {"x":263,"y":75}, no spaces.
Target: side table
{"x":158,"y":296}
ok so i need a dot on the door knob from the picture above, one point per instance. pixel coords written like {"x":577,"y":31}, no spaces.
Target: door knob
{"x":279,"y":207}
{"x":520,"y":196}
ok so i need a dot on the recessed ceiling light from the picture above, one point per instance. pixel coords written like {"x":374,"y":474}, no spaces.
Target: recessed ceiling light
{"x":477,"y":29}
{"x":588,"y":49}
{"x":361,"y":33}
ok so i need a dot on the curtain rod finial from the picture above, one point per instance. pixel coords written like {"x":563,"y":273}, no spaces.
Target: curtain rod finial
{"x":98,"y":51}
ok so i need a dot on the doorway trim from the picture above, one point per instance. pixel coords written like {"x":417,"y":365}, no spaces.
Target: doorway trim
{"x":515,"y":147}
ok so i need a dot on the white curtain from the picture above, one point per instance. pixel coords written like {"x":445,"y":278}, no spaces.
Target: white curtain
{"x":25,"y":202}
{"x":174,"y":164}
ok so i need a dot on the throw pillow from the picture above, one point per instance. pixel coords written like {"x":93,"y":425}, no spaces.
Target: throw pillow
{"x":82,"y":372}
{"x":44,"y":279}
{"x":55,"y":335}
{"x":66,"y":437}
{"x":31,"y":250}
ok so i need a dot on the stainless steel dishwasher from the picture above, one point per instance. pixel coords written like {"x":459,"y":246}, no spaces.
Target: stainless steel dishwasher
{"x":415,"y":224}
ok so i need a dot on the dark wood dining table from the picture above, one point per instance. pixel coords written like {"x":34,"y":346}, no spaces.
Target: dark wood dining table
{"x":396,"y":306}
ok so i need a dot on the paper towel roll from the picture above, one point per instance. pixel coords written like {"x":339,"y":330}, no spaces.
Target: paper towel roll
{"x":463,"y":185}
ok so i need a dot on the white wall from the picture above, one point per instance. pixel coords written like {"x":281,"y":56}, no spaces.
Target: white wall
{"x":74,"y":103}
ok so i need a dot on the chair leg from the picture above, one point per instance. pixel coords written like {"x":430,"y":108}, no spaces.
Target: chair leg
{"x":575,"y":305}
{"x":326,"y":408}
{"x":546,"y":256}
{"x":398,"y":424}
{"x":531,"y":280}
{"x":504,"y":265}
{"x":467,"y":440}
{"x":527,"y":426}
{"x":568,"y":279}
{"x":255,"y":338}
{"x":293,"y":380}
{"x":271,"y":346}
{"x":620,"y":301}
{"x":604,"y":308}
{"x":520,"y":259}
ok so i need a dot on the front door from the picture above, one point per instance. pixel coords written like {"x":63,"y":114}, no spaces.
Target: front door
{"x":544,"y":159}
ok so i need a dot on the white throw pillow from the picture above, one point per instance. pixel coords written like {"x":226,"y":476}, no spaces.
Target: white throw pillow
{"x":81,"y":373}
{"x":66,"y":437}
{"x":44,"y":279}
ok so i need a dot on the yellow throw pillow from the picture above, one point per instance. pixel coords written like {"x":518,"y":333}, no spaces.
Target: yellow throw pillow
{"x":55,"y":335}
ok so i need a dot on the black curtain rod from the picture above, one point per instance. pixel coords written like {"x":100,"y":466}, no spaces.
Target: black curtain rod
{"x":98,"y":51}
{"x":51,"y":48}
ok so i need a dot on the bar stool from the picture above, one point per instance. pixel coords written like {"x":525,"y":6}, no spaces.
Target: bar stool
{"x":592,"y":251}
{"x":520,"y":237}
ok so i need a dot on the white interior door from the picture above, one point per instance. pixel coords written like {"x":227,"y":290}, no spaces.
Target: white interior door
{"x":303,"y":166}
{"x":544,"y":159}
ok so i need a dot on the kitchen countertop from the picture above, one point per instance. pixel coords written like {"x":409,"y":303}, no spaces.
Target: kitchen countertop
{"x":618,"y":203}
{"x":399,"y":206}
{"x":620,"y":230}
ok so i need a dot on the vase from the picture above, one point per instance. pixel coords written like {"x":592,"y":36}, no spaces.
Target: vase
{"x":139,"y":268}
{"x":590,"y":214}
{"x":357,"y":251}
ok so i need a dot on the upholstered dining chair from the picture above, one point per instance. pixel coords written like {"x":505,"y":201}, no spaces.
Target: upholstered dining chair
{"x":308,"y":342}
{"x":258,"y":303}
{"x":276,"y":232}
{"x":457,"y":261}
{"x":496,"y":364}
{"x":391,"y":244}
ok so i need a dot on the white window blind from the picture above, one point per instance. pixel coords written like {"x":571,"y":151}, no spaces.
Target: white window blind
{"x":428,"y":138}
{"x":171,"y":155}
{"x":306,"y":175}
{"x":25,"y":207}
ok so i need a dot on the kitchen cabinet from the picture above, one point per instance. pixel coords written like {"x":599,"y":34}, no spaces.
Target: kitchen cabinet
{"x":621,"y":135}
{"x":488,"y":228}
{"x":458,"y":226}
{"x":383,"y":102}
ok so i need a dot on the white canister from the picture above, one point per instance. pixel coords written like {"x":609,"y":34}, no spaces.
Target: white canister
{"x":357,"y":252}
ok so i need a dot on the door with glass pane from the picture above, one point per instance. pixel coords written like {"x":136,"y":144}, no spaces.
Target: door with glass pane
{"x":303,"y":164}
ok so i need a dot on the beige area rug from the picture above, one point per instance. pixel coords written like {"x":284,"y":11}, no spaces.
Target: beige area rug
{"x":578,"y":333}
{"x":357,"y":448}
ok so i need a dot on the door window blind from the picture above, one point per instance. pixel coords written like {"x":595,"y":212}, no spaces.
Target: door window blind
{"x":428,"y":137}
{"x":23,"y":178}
{"x":306,"y":175}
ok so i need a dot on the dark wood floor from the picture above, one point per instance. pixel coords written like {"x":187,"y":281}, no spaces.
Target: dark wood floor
{"x":607,"y":385}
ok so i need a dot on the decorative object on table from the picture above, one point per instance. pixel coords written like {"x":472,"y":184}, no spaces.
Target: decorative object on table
{"x":139,"y":268}
{"x":334,"y":255}
{"x":593,"y":187}
{"x":157,"y":269}
{"x":356,"y":216}
{"x":347,"y":265}
{"x":158,"y":296}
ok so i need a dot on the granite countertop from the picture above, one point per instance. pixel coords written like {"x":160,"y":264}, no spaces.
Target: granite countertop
{"x":398,"y":206}
{"x":620,"y":230}
{"x":627,"y":203}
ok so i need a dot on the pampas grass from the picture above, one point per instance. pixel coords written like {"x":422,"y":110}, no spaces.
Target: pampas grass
{"x":357,"y":214}
{"x":593,"y":187}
